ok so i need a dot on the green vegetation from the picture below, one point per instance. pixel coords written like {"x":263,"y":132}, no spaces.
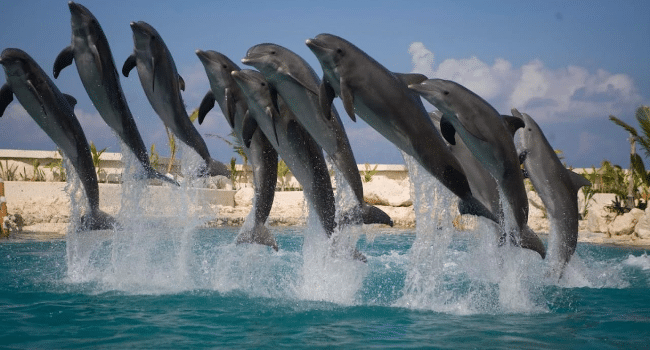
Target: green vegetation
{"x":96,"y":155}
{"x":632,"y":186}
{"x":368,"y":173}
{"x":8,"y":173}
{"x":57,"y":168}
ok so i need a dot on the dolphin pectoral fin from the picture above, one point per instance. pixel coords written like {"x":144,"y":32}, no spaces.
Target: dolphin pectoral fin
{"x":231,"y":107}
{"x":206,"y":105}
{"x":63,"y":60}
{"x":34,"y":92}
{"x":272,"y":113}
{"x":530,"y":240}
{"x":348,"y":100}
{"x":326,"y":95}
{"x":248,"y":129}
{"x":98,"y":59}
{"x":6,"y":96}
{"x":513,"y":123}
{"x":411,"y":78}
{"x":71,"y":100}
{"x":578,"y":180}
{"x":310,"y":87}
{"x":181,"y":83}
{"x":374,"y":215}
{"x":473,"y":207}
{"x":129,"y":64}
{"x":447,"y":130}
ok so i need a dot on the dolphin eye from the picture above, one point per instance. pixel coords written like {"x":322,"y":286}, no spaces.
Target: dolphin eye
{"x":529,"y":129}
{"x":224,"y":66}
{"x":273,"y":52}
{"x":445,"y":92}
{"x":263,"y":84}
{"x":339,"y":50}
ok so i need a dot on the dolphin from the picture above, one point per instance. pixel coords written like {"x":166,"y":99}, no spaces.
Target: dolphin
{"x":302,"y":154}
{"x":54,"y":113}
{"x":483,"y":185}
{"x":163,"y":85}
{"x":92,"y":55}
{"x":297,"y":83}
{"x":383,"y":100}
{"x":558,"y":188}
{"x":261,"y":154}
{"x":486,"y":135}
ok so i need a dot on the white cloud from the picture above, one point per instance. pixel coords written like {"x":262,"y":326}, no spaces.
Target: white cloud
{"x":547,"y":94}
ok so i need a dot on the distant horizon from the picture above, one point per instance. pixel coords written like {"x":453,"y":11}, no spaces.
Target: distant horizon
{"x":569,"y":65}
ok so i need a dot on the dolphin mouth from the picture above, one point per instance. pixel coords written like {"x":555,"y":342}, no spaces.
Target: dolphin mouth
{"x":250,"y":59}
{"x":203,"y":56}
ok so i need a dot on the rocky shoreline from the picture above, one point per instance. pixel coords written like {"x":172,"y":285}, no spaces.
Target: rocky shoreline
{"x":49,"y":213}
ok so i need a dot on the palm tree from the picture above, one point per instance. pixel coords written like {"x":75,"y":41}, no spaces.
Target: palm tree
{"x":636,"y":163}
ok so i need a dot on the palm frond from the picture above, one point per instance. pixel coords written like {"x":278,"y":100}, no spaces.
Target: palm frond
{"x":643,"y":117}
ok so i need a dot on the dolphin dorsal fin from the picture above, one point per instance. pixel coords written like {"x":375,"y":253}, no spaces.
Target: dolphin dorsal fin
{"x":411,"y":78}
{"x":206,"y":106}
{"x":129,"y":64}
{"x":71,"y":100}
{"x":181,"y":83}
{"x":513,"y":123}
{"x":63,"y":60}
{"x":578,"y":180}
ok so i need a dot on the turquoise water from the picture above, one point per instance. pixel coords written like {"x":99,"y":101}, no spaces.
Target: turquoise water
{"x":163,"y":288}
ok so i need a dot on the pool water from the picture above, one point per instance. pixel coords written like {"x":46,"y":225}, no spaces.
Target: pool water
{"x":162,"y":288}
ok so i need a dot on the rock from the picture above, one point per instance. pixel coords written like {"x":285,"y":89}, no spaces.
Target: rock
{"x":384,"y":191}
{"x":625,"y":224}
{"x":598,"y":217}
{"x":642,"y":228}
{"x":244,"y":197}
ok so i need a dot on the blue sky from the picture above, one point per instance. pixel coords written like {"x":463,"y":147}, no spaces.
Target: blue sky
{"x":569,"y":64}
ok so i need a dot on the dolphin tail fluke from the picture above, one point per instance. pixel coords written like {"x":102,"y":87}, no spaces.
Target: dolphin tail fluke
{"x":97,"y":220}
{"x":216,"y":168}
{"x":374,"y":215}
{"x":530,"y":240}
{"x":154,"y":174}
{"x":259,"y":234}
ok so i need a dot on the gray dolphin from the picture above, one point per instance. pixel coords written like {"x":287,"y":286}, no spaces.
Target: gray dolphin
{"x":261,"y":154}
{"x":558,"y":188}
{"x":94,"y":61}
{"x":485,"y":134}
{"x":483,"y":185}
{"x":302,"y":154}
{"x":295,"y":80}
{"x":54,"y":113}
{"x":384,"y":101}
{"x":163,"y":85}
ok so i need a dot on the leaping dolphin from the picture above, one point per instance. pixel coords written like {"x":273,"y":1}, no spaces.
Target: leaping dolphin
{"x":163,"y":85}
{"x":486,"y":135}
{"x":297,"y":83}
{"x":54,"y":113}
{"x":383,"y":100}
{"x":483,"y":185}
{"x":261,"y":154}
{"x":94,"y":61}
{"x":302,"y":154}
{"x":557,"y":187}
